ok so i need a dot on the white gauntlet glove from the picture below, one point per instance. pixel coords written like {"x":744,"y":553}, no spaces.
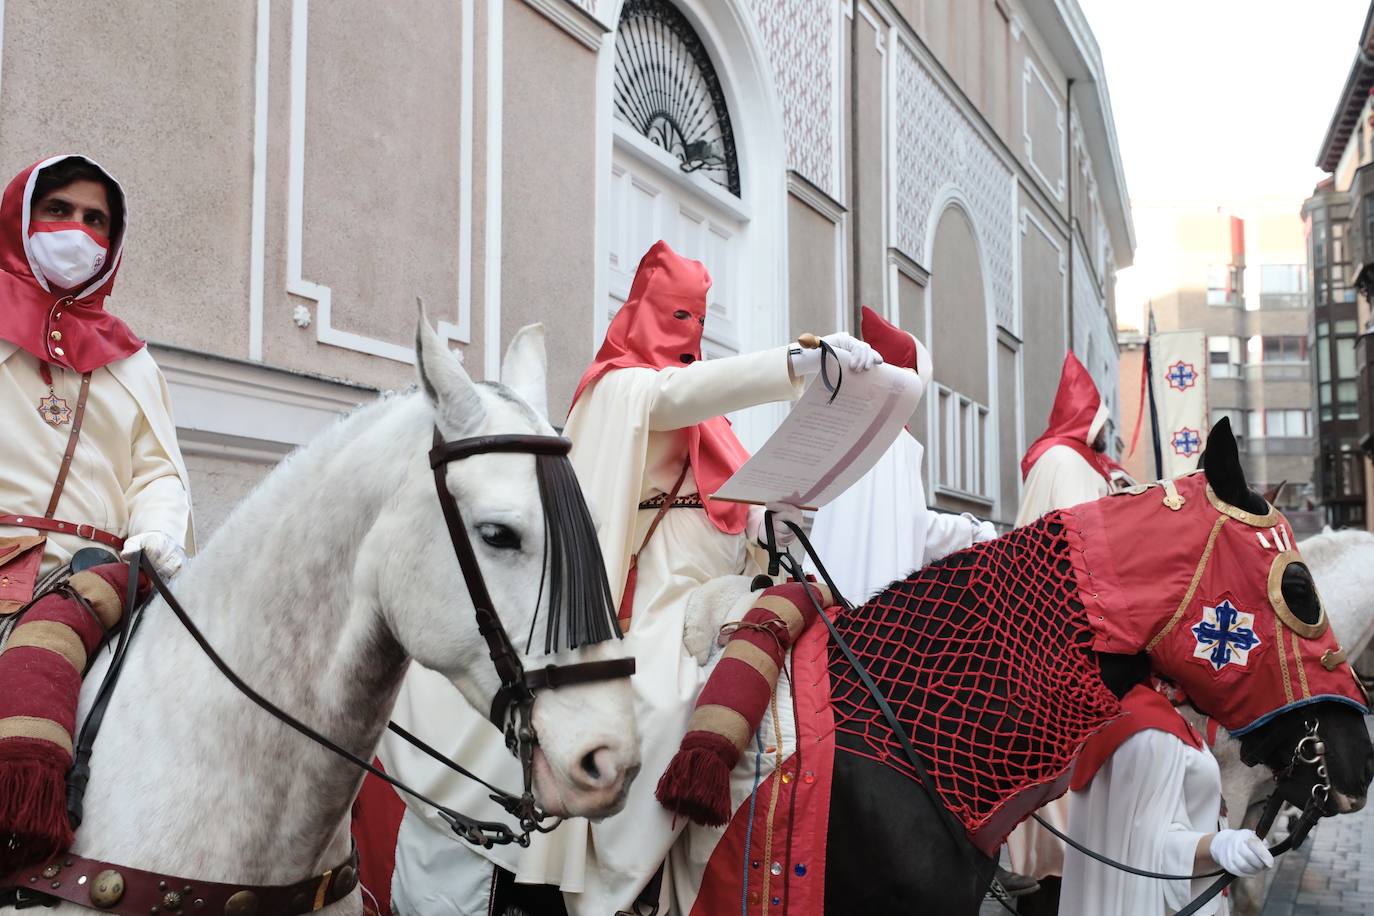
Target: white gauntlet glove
{"x":782,"y":512}
{"x":1240,"y":852}
{"x":855,"y":354}
{"x":982,"y":531}
{"x":161,"y":549}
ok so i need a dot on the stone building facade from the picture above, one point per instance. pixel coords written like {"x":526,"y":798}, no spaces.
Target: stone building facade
{"x":300,"y":172}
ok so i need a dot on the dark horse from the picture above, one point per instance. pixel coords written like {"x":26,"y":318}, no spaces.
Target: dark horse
{"x":888,"y":849}
{"x":1165,"y":549}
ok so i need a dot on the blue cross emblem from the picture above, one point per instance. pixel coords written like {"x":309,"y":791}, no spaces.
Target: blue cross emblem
{"x":1181,"y":375}
{"x":1225,"y":635}
{"x":1186,"y":442}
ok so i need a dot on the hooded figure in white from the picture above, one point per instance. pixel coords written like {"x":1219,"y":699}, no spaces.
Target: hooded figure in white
{"x":880,"y":529}
{"x":62,"y":228}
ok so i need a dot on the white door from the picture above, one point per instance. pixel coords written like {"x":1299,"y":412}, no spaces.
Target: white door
{"x":651,"y":199}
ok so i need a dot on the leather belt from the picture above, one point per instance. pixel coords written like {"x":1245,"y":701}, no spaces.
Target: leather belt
{"x":690,"y":501}
{"x":88,"y":532}
{"x":132,"y":892}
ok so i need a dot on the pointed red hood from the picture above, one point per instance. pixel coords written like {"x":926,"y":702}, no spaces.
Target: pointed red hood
{"x":90,"y":336}
{"x":660,"y":326}
{"x":1074,"y":421}
{"x":897,"y":347}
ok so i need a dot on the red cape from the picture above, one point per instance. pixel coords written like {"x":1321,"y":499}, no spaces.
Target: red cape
{"x":90,"y":336}
{"x":660,"y":325}
{"x":1145,"y":709}
{"x":1075,"y":407}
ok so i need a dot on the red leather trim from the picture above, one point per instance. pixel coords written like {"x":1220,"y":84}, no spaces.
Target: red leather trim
{"x":89,"y":532}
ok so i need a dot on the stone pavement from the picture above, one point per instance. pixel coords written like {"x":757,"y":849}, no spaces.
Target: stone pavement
{"x":1332,"y":874}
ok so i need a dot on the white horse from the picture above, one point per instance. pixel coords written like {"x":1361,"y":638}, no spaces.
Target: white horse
{"x":1342,"y":565}
{"x":319,"y":590}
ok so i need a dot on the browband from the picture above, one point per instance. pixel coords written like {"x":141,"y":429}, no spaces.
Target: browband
{"x":445,"y":452}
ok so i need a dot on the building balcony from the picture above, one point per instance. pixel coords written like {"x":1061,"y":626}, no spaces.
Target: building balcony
{"x":1275,"y":302}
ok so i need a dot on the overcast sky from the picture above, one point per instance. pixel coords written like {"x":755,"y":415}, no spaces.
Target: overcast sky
{"x":1224,"y":99}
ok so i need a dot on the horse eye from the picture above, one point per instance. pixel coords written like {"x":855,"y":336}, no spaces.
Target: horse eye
{"x":682,"y":314}
{"x":499,"y":537}
{"x":1300,"y":594}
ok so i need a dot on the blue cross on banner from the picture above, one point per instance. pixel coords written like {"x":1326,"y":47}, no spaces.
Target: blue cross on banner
{"x":1181,"y":376}
{"x":1186,"y":442}
{"x":1225,"y":635}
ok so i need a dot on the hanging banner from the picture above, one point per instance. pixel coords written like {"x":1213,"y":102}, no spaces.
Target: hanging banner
{"x":1178,"y":362}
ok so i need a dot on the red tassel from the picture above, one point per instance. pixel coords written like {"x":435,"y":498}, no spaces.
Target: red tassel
{"x":696,"y":783}
{"x":33,"y":802}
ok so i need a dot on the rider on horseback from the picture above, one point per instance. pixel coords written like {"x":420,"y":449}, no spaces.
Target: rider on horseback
{"x":73,"y":374}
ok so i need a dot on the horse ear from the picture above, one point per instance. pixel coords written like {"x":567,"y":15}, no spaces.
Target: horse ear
{"x":457,"y":406}
{"x":1221,"y":465}
{"x":525,"y":368}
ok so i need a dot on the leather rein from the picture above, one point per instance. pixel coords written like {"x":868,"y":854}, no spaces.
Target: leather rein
{"x":1309,"y":752}
{"x":511,"y":709}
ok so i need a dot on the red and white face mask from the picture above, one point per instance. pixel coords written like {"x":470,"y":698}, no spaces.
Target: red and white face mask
{"x":68,"y":254}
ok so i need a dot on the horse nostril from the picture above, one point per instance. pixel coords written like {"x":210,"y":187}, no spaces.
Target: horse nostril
{"x":589,"y":767}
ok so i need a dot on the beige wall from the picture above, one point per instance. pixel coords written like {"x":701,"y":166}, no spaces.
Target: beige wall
{"x":810,"y":270}
{"x":960,"y":346}
{"x":170,"y":114}
{"x":1043,"y":290}
{"x":870,"y":286}
{"x":548,"y":253}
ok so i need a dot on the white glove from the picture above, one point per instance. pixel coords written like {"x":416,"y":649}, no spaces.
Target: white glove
{"x":162,"y":551}
{"x":1240,"y":852}
{"x":782,"y":512}
{"x":857,"y":355}
{"x":982,"y":531}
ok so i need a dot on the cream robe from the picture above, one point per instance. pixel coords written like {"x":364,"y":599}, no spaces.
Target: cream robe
{"x":628,"y":445}
{"x":127,"y":475}
{"x":1148,"y":806}
{"x":880,"y":529}
{"x":1059,"y":479}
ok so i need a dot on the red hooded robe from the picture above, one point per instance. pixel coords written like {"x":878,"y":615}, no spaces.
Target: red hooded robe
{"x":1076,"y":405}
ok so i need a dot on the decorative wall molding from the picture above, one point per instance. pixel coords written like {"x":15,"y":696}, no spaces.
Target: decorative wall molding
{"x":806,"y":192}
{"x":257,"y":245}
{"x":1032,"y":78}
{"x":495,"y":204}
{"x":322,"y":295}
{"x":1029,"y":220}
{"x":237,"y":408}
{"x":879,"y":28}
{"x":908,"y":268}
{"x":801,"y":38}
{"x":936,"y":146}
{"x":576,"y":17}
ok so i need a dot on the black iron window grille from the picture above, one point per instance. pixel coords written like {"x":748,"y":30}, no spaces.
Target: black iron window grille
{"x":666,"y":88}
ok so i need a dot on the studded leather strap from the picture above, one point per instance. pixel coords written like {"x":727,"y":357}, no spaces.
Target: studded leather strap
{"x":109,"y":888}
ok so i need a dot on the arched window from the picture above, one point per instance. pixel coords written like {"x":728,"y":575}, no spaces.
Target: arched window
{"x":666,"y":88}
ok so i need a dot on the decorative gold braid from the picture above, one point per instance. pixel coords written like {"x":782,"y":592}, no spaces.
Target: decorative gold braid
{"x":1283,"y":660}
{"x":1302,"y":672}
{"x":1192,"y":586}
{"x":765,"y":897}
{"x":1267,"y":520}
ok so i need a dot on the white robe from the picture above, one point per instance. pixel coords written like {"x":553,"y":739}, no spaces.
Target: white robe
{"x":1148,"y":806}
{"x":1060,"y":478}
{"x":880,"y":529}
{"x":127,"y":476}
{"x":629,"y":444}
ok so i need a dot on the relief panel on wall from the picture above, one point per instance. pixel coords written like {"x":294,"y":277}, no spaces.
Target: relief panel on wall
{"x":1093,"y":342}
{"x":800,"y":39}
{"x":937,"y":147}
{"x":376,"y":118}
{"x":1042,"y":130}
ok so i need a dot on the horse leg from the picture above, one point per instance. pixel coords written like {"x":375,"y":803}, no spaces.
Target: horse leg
{"x":888,"y":851}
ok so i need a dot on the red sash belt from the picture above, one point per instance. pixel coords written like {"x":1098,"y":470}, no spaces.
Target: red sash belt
{"x":39,"y":523}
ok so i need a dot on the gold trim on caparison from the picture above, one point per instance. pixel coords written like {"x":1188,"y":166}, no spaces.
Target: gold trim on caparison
{"x":1268,"y":520}
{"x":1280,"y":606}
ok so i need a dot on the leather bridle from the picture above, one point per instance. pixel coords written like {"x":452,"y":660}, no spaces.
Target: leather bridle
{"x":513,"y":705}
{"x":511,"y":709}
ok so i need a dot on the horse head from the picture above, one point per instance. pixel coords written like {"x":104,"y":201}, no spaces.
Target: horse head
{"x":588,"y":751}
{"x":1200,"y":579}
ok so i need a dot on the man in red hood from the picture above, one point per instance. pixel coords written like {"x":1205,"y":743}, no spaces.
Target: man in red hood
{"x":89,"y":457}
{"x":1066,"y":466}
